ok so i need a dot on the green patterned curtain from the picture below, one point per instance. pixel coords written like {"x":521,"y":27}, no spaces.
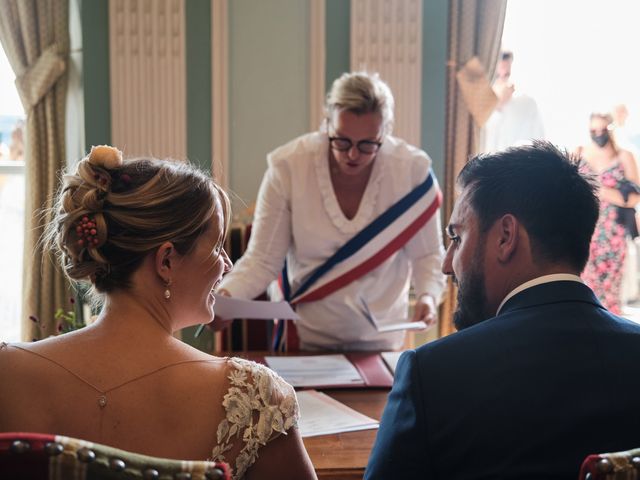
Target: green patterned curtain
{"x":35,"y":37}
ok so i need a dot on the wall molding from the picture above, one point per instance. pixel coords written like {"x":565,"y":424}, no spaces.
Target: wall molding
{"x":386,"y":37}
{"x":317,"y":59}
{"x":148,"y":77}
{"x":220,"y":91}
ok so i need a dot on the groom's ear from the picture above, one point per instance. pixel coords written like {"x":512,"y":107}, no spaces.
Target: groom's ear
{"x":507,"y":237}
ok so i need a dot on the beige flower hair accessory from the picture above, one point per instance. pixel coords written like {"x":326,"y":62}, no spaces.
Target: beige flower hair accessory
{"x":105,"y":156}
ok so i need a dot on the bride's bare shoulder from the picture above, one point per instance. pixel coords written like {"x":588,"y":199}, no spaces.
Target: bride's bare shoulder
{"x":17,"y":367}
{"x":13,"y":356}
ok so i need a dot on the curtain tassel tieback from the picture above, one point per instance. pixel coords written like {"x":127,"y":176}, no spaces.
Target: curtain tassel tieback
{"x":39,"y":78}
{"x":476,"y":91}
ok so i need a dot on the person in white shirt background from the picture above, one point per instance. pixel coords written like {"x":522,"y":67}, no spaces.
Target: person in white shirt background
{"x":322,"y":192}
{"x":516,"y":119}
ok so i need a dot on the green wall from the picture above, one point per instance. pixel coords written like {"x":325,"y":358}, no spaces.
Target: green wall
{"x":199,"y":141}
{"x":95,"y":44}
{"x":268,"y":83}
{"x":337,"y":39}
{"x":435,"y":18}
{"x":198,"y":45}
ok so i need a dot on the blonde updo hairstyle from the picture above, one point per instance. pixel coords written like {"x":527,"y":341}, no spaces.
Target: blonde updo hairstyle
{"x":361,"y":93}
{"x":134,"y":206}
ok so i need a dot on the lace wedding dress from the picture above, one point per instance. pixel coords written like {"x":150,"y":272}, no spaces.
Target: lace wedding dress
{"x":260,"y":406}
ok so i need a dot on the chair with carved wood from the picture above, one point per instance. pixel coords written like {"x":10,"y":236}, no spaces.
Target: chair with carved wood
{"x":37,"y":456}
{"x":612,"y":466}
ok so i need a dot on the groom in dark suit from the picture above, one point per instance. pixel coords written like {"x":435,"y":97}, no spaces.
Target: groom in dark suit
{"x":539,"y":375}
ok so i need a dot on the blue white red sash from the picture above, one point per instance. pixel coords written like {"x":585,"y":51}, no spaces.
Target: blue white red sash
{"x":371,"y":246}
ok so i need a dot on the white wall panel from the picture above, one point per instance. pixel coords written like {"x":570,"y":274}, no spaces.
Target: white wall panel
{"x":147,"y":76}
{"x":386,"y":37}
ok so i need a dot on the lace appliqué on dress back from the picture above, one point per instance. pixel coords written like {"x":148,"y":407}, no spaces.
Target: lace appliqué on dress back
{"x":259,"y":407}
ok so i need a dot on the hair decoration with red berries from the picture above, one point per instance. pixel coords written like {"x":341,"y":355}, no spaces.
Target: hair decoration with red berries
{"x":87,"y":232}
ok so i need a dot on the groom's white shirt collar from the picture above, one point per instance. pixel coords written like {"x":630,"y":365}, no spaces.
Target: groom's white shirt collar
{"x":556,"y":277}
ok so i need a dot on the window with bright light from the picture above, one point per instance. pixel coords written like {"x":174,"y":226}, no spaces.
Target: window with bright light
{"x":12,"y":196}
{"x":574,"y":57}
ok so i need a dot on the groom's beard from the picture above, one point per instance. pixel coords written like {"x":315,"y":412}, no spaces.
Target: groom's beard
{"x":472,"y":298}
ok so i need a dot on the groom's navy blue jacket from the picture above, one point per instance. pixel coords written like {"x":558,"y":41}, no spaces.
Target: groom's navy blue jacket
{"x":525,"y":395}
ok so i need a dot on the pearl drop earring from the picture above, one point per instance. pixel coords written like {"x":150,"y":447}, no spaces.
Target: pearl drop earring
{"x":167,"y":292}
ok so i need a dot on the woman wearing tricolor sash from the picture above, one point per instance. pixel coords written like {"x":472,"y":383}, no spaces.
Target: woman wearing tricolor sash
{"x":352,"y":213}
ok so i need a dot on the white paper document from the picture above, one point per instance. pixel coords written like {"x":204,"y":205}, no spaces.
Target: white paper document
{"x":391,"y":327}
{"x":322,"y":415}
{"x":316,"y":370}
{"x":401,"y":326}
{"x":391,"y":359}
{"x":229,"y":307}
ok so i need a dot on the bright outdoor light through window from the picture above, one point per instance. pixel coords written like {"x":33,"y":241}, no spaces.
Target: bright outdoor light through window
{"x":12,"y":197}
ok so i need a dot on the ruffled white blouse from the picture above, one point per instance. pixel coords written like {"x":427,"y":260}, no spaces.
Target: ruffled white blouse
{"x":298,"y":217}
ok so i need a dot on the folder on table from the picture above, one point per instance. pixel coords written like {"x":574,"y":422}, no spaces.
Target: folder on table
{"x":351,"y":370}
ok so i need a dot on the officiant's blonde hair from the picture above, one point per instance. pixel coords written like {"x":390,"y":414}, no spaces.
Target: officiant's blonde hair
{"x":361,"y":93}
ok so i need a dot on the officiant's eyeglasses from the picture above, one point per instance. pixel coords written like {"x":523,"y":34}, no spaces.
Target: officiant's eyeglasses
{"x":364,"y":146}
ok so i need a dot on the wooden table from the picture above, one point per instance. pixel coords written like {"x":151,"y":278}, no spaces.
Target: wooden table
{"x":344,"y":456}
{"x":341,"y":456}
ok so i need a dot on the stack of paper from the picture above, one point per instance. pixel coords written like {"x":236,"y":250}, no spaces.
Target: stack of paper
{"x":316,"y":370}
{"x":322,"y":415}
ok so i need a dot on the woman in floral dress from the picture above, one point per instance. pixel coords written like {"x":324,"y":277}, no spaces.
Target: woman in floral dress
{"x":613,"y":168}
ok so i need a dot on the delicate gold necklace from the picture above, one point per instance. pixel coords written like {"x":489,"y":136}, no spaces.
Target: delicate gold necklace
{"x":102,"y":394}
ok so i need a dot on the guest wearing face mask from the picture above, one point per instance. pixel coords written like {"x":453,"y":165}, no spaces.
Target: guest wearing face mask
{"x":617,"y":174}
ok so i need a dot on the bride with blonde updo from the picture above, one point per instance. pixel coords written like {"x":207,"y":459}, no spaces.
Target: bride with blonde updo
{"x":148,"y":236}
